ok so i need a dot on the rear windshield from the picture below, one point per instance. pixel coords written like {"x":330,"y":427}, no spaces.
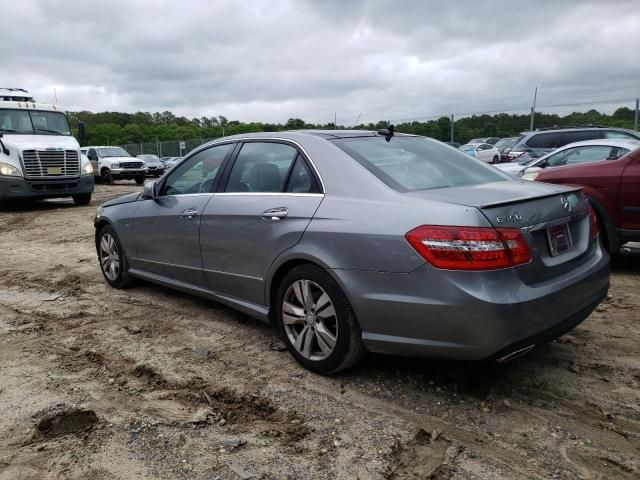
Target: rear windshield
{"x":418,"y":163}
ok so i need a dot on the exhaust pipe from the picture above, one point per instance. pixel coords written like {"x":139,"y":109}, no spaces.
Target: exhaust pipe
{"x":516,"y":354}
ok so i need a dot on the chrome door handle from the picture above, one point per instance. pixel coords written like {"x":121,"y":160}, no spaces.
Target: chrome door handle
{"x":189,"y":213}
{"x":275,"y":214}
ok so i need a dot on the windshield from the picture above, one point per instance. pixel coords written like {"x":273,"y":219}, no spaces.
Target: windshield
{"x":148,"y":157}
{"x":33,"y":122}
{"x":417,"y":163}
{"x":506,"y":142}
{"x":113,"y":152}
{"x":467,"y":147}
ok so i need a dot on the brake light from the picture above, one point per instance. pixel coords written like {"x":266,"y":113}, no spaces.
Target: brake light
{"x":470,"y":248}
{"x":595,"y":227}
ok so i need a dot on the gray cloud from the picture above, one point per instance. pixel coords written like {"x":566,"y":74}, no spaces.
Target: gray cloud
{"x":269,"y":60}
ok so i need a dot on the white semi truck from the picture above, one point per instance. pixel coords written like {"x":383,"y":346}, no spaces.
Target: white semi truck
{"x":39,"y":158}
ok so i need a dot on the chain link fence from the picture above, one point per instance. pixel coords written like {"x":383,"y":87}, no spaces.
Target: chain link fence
{"x":625,"y":113}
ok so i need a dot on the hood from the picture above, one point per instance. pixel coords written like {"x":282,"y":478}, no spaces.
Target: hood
{"x":132,"y":197}
{"x":38,"y":142}
{"x":493,"y":194}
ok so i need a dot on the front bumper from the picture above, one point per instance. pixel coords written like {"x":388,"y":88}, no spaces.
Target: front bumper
{"x":470,"y":315}
{"x":155,"y":171}
{"x":19,"y":188}
{"x":127,"y":173}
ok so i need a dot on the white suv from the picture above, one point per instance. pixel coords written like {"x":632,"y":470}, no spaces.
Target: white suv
{"x":115,"y":163}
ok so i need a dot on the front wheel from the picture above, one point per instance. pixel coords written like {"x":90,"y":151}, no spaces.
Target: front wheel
{"x":317,"y":322}
{"x":140,"y":179}
{"x":106,"y":176}
{"x":113,"y":261}
{"x":82,"y":199}
{"x":496,"y":159}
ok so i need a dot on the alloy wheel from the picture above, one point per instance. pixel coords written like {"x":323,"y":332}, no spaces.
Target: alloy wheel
{"x":109,"y":257}
{"x":309,"y":319}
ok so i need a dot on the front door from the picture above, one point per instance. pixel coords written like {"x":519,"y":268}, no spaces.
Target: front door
{"x":167,"y":229}
{"x":266,"y":204}
{"x":630,"y":196}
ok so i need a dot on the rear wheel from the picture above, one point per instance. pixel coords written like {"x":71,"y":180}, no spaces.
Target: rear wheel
{"x":317,"y":322}
{"x":106,"y":177}
{"x":113,"y":261}
{"x":82,"y":199}
{"x":139,"y":179}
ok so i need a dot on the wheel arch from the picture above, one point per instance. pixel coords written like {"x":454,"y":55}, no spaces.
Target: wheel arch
{"x":612,"y":239}
{"x":284,"y":265}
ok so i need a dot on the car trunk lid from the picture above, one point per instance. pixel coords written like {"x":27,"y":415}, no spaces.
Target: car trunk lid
{"x":553,"y":218}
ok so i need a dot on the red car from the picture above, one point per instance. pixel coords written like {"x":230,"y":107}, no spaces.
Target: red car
{"x":609,"y":172}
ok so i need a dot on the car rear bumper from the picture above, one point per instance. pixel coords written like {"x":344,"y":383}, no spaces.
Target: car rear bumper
{"x":18,"y":188}
{"x":471,"y":315}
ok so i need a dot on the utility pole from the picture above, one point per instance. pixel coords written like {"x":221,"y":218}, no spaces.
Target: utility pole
{"x":533,"y":109}
{"x":635,"y":117}
{"x":55,"y":95}
{"x":451,"y":140}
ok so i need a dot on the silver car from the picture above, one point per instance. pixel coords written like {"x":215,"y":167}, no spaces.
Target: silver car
{"x":353,"y":241}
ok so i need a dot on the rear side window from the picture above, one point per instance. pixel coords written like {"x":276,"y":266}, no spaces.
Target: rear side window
{"x":417,"y":163}
{"x":621,"y":135}
{"x":579,"y":136}
{"x":301,"y":180}
{"x":544,"y":140}
{"x":261,"y":167}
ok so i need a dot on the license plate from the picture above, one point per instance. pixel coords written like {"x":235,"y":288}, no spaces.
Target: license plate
{"x":559,"y":239}
{"x":54,"y":170}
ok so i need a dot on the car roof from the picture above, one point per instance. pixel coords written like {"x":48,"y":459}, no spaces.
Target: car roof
{"x":578,"y":128}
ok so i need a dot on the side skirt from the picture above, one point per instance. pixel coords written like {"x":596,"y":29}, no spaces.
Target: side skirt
{"x":259,"y":312}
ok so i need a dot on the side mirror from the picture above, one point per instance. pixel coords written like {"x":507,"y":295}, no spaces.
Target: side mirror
{"x":82,"y":133}
{"x":150,"y":192}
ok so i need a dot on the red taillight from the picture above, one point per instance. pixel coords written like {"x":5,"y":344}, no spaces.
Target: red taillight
{"x":595,"y":227}
{"x":470,"y":248}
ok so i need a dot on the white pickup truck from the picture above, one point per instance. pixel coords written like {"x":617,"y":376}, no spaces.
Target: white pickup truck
{"x":115,"y":163}
{"x":39,"y":158}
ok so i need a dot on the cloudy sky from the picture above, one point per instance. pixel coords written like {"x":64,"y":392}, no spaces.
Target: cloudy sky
{"x":272,"y":60}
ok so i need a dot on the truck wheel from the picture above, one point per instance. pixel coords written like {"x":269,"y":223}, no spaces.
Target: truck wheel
{"x":113,"y":261}
{"x":139,"y":179}
{"x":106,"y":176}
{"x":82,"y":199}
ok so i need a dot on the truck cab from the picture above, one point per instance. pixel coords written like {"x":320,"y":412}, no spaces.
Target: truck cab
{"x":39,"y":157}
{"x":115,"y":163}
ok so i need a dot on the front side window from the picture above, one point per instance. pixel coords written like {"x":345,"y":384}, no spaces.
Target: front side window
{"x":576,"y":155}
{"x":544,"y":140}
{"x":33,"y":122}
{"x":417,"y":163}
{"x":261,"y":167}
{"x":199,"y":173}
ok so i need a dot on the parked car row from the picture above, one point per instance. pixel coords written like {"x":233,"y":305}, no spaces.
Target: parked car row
{"x":115,"y":163}
{"x":608,"y":170}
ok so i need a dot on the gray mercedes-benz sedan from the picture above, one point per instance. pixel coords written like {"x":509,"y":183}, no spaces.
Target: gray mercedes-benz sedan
{"x":351,"y":241}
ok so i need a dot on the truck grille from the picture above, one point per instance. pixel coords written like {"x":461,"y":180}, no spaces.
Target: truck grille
{"x":50,"y":163}
{"x":131,"y":165}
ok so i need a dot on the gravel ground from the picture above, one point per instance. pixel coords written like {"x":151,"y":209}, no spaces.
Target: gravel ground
{"x":97,"y":383}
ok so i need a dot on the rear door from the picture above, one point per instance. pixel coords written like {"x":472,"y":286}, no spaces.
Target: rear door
{"x":166,"y":230}
{"x":263,"y":206}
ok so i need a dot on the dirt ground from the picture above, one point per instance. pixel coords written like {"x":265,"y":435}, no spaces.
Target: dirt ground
{"x":97,"y":383}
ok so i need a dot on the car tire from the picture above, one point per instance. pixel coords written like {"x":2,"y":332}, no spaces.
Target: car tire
{"x":82,"y":199}
{"x":496,"y":159}
{"x":106,"y":177}
{"x":108,"y":243}
{"x":140,"y":179}
{"x":321,"y":334}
